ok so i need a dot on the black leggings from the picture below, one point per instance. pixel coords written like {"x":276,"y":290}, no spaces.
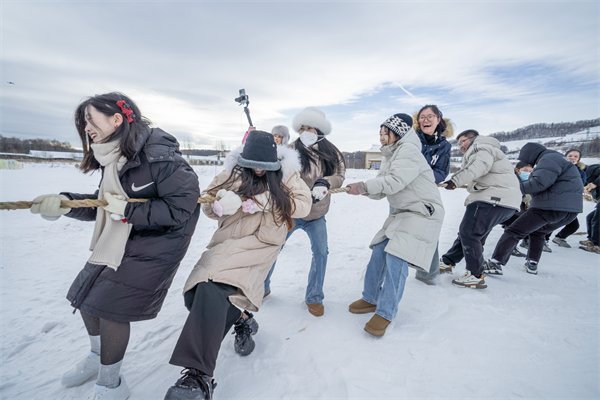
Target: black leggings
{"x":114,"y":337}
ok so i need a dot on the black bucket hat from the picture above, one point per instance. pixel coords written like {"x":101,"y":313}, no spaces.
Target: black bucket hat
{"x":260,"y":152}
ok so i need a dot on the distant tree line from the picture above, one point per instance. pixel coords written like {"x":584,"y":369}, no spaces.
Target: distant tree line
{"x":14,"y":145}
{"x":546,"y":130}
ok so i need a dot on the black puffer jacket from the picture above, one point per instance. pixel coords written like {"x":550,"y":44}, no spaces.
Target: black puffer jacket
{"x":161,"y":233}
{"x":555,"y":183}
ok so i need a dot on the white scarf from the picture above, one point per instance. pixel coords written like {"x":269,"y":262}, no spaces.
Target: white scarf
{"x":110,"y":236}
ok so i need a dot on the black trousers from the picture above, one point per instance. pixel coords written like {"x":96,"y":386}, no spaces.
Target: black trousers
{"x":569,"y":229}
{"x":537,"y":224}
{"x":593,"y":226}
{"x":478,"y":221}
{"x":211,"y":316}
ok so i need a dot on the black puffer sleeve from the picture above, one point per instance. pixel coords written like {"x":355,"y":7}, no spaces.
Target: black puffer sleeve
{"x":82,"y":213}
{"x":178,"y":192}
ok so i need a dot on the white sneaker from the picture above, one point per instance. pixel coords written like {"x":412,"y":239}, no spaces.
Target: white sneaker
{"x":121,"y":392}
{"x":470,"y":281}
{"x":85,"y":370}
{"x":445,"y":268}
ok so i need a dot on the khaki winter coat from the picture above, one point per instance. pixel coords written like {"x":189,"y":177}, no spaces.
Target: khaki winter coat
{"x":245,"y":246}
{"x":488,"y":174}
{"x":407,"y":181}
{"x":321,"y":208}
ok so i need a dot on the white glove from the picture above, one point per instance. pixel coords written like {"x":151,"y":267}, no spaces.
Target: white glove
{"x":228,"y":203}
{"x":116,"y":205}
{"x":48,"y":206}
{"x":319,"y":192}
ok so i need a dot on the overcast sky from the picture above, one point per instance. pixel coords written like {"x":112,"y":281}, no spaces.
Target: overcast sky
{"x":490,"y":66}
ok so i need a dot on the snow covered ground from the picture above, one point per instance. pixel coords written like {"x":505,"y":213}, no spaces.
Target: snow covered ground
{"x":525,"y":336}
{"x":575,"y":138}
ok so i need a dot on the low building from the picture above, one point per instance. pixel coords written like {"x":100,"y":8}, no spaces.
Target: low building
{"x":373,"y":157}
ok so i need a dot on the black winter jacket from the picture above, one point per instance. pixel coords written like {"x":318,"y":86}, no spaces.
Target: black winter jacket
{"x":161,"y":233}
{"x":555,"y":183}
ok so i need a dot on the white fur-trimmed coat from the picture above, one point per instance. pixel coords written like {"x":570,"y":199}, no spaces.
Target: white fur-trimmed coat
{"x":245,"y":246}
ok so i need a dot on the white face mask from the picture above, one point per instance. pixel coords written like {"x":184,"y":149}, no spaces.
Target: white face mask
{"x":308,"y":138}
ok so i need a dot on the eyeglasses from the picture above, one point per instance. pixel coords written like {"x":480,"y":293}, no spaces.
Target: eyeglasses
{"x":429,"y":117}
{"x":460,"y":142}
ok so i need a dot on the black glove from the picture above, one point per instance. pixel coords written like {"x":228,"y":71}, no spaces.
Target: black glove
{"x":450,"y":185}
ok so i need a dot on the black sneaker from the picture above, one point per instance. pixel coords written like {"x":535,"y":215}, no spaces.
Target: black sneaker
{"x":492,"y":268}
{"x":531,"y":267}
{"x":194,"y":385}
{"x":546,"y":247}
{"x":517,"y":253}
{"x":244,"y":329}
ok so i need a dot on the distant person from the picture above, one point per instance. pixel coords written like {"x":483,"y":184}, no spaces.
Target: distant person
{"x":410,"y":233}
{"x":574,"y":156}
{"x":232,"y":271}
{"x":556,"y":198}
{"x":433,"y":130}
{"x":494,"y":197}
{"x":281,"y":134}
{"x":592,"y":244}
{"x":136,"y":247}
{"x":323,"y":168}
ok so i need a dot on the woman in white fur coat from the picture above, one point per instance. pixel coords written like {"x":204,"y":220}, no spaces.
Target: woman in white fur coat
{"x":233,"y":270}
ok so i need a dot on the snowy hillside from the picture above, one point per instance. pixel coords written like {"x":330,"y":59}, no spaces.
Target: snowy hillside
{"x":526,"y":336}
{"x":568,"y":141}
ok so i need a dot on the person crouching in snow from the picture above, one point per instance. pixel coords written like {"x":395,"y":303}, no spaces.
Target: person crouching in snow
{"x":233,"y":270}
{"x":137,"y":247}
{"x":410,"y":233}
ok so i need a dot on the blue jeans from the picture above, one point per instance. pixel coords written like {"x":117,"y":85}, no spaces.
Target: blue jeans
{"x":384,"y":281}
{"x":317,"y":233}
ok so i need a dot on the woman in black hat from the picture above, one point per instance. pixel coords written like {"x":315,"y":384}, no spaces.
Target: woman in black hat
{"x":260,"y":193}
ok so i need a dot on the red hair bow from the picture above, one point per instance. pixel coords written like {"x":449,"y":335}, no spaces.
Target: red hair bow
{"x":126,"y":109}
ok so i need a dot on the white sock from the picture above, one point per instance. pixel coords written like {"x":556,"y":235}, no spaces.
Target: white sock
{"x":109,"y":375}
{"x":95,"y":342}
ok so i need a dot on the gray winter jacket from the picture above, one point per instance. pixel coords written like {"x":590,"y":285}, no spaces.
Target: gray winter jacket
{"x":488,"y":174}
{"x":555,"y":183}
{"x":407,"y":181}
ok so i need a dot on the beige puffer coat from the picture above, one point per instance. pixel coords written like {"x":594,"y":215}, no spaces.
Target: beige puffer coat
{"x":321,"y":208}
{"x":488,"y":174}
{"x":245,"y":246}
{"x":407,"y":181}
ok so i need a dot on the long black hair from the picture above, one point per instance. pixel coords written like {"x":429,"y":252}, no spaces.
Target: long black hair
{"x":253,"y":185}
{"x":126,"y":133}
{"x":329,"y":155}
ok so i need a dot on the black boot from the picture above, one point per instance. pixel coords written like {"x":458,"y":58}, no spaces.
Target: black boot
{"x":244,"y":329}
{"x":194,"y":385}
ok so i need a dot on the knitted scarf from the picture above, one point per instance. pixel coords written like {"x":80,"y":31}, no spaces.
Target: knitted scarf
{"x":110,"y":236}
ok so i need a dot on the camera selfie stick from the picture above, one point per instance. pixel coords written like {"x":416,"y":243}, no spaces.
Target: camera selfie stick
{"x":243,"y":100}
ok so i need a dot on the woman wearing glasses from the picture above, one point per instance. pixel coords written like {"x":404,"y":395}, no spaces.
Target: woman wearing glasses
{"x":433,"y":129}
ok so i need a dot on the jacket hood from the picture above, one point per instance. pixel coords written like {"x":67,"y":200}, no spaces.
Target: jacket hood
{"x":157,"y":144}
{"x":580,"y":165}
{"x":530,"y":153}
{"x":288,"y":157}
{"x":447,"y":133}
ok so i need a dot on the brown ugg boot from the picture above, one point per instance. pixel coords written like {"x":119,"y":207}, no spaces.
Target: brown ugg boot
{"x":361,"y":307}
{"x":316,"y":309}
{"x":377,"y":325}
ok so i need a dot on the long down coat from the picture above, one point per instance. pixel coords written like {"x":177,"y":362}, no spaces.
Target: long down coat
{"x":161,"y":233}
{"x":407,"y":181}
{"x":245,"y":246}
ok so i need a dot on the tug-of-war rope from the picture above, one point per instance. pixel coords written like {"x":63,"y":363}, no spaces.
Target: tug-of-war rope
{"x":24,"y":205}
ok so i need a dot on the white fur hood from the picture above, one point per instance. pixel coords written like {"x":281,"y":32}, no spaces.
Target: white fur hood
{"x":288,"y":157}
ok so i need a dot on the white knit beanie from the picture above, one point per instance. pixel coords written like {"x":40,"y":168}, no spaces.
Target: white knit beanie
{"x":312,"y":116}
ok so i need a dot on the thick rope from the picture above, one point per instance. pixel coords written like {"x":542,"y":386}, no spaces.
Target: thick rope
{"x":23,"y":205}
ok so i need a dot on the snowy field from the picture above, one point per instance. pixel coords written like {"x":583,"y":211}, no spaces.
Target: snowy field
{"x":526,"y":336}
